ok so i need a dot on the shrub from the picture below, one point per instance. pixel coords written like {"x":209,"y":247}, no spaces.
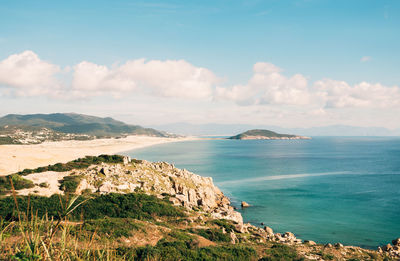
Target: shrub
{"x":133,"y":205}
{"x":282,"y":253}
{"x":227,"y":224}
{"x":179,"y":250}
{"x":212,"y":234}
{"x":18,"y":182}
{"x":111,"y":227}
{"x":69,"y":184}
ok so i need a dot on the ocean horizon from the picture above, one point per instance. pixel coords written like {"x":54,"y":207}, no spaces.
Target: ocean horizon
{"x":327,"y":189}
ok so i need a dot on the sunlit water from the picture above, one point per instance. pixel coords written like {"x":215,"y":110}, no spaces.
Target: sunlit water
{"x":325,"y":189}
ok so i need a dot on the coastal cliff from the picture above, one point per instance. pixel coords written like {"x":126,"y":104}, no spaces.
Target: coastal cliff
{"x":120,"y":193}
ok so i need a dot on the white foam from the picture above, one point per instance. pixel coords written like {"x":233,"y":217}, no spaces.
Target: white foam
{"x":286,"y":176}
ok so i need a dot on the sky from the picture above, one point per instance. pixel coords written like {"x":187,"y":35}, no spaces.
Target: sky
{"x":300,"y":63}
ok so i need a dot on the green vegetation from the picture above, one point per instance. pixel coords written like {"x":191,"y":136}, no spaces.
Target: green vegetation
{"x":111,"y":228}
{"x":78,"y":124}
{"x":212,"y":234}
{"x":8,"y":140}
{"x":18,"y":182}
{"x":279,"y":252}
{"x":263,"y":133}
{"x":80,"y":163}
{"x":69,"y":184}
{"x":179,"y":250}
{"x":223,"y":223}
{"x":135,"y":205}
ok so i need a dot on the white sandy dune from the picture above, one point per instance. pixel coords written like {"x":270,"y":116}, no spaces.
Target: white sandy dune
{"x":14,"y":158}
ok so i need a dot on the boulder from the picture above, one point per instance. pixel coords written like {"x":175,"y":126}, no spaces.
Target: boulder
{"x":234,"y":239}
{"x":388,"y":247}
{"x":338,"y":245}
{"x":329,"y":245}
{"x":269,"y":231}
{"x":310,"y":242}
{"x":396,"y":242}
{"x":289,"y":235}
{"x":245,"y":204}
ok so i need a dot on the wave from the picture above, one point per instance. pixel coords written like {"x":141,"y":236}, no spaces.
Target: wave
{"x":286,"y":176}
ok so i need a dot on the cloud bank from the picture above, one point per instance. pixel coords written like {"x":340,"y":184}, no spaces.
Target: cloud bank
{"x":25,"y":74}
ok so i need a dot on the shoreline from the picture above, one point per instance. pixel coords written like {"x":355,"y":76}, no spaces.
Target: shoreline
{"x":14,"y":158}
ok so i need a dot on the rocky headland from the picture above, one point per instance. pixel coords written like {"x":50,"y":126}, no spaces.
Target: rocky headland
{"x":202,"y":201}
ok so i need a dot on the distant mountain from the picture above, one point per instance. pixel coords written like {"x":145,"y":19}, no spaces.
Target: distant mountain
{"x":232,"y":129}
{"x":78,"y":124}
{"x":258,"y":134}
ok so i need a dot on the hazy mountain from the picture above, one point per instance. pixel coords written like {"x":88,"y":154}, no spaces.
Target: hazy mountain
{"x":232,"y":129}
{"x":78,"y":124}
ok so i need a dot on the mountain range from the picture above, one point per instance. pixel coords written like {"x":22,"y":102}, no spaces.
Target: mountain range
{"x":78,"y":124}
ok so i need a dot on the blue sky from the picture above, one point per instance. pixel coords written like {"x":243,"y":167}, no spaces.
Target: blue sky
{"x":351,"y":41}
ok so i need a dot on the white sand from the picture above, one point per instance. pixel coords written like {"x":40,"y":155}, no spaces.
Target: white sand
{"x":50,"y":177}
{"x":14,"y":158}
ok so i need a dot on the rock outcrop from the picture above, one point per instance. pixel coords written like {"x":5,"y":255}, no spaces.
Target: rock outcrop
{"x":392,"y":251}
{"x":183,"y":187}
{"x":245,"y":204}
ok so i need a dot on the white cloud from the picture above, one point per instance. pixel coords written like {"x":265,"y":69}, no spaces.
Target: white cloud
{"x":90,"y":79}
{"x":28,"y":75}
{"x":160,"y":78}
{"x":365,"y":59}
{"x":268,"y":86}
{"x":339,"y":94}
{"x":171,"y":78}
{"x":25,"y":74}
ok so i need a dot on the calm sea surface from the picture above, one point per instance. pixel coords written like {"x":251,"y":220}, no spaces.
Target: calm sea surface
{"x":330,"y":189}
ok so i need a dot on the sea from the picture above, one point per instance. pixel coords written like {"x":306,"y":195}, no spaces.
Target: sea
{"x":327,"y":189}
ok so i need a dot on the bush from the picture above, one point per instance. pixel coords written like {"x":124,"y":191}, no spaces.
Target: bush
{"x":133,"y":205}
{"x":179,"y":250}
{"x":212,"y":234}
{"x":18,"y":182}
{"x":227,"y":224}
{"x":111,"y":227}
{"x":281,"y":252}
{"x":69,"y":184}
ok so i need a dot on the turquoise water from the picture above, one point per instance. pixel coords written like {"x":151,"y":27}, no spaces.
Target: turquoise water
{"x":336,"y":189}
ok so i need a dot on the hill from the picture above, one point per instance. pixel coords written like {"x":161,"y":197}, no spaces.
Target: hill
{"x":258,"y":134}
{"x":72,"y":123}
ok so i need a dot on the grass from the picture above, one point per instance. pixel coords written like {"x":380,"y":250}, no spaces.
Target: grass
{"x":69,"y":184}
{"x":212,"y":234}
{"x":18,"y":182}
{"x":47,"y":232}
{"x":111,"y":228}
{"x":224,"y":223}
{"x":279,"y":252}
{"x":134,"y":205}
{"x":179,"y":250}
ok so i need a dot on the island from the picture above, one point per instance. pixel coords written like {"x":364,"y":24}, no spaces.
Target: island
{"x":259,"y":134}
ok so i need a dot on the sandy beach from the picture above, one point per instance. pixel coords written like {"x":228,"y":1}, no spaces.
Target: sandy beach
{"x":14,"y":158}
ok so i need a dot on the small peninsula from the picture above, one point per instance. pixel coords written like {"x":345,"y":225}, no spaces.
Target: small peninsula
{"x":259,"y":134}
